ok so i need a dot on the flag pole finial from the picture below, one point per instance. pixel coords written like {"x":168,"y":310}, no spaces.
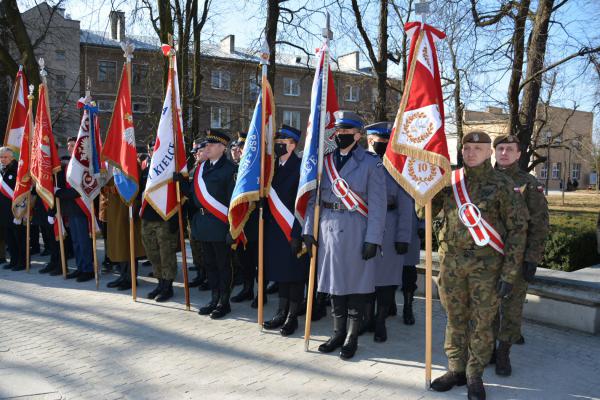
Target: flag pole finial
{"x":264,"y":53}
{"x":31,"y":89}
{"x":327,"y":33}
{"x":422,"y":9}
{"x":128,"y":49}
{"x":43,"y":72}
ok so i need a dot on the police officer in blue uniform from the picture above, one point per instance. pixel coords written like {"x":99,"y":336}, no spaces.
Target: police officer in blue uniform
{"x":282,"y":264}
{"x":349,"y":238}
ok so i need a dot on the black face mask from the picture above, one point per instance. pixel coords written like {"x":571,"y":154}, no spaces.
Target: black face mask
{"x":379,"y":148}
{"x":280,"y":149}
{"x":345,"y":140}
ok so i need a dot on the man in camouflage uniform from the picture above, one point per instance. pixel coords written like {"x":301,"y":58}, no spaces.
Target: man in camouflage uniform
{"x":474,"y":278}
{"x":507,"y":150}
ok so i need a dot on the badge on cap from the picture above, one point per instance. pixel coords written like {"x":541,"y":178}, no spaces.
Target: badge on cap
{"x":476,"y":137}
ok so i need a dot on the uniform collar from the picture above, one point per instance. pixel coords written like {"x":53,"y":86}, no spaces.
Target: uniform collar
{"x":478,"y":171}
{"x":512,"y":169}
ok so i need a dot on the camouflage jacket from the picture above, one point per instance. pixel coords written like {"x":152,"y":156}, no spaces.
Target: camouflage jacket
{"x":538,"y":226}
{"x":494,"y":194}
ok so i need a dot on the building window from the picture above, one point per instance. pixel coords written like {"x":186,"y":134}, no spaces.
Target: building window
{"x":291,"y":87}
{"x":59,"y":55}
{"x":107,"y":71}
{"x":105,"y":105}
{"x":253,"y":87}
{"x":544,"y":171}
{"x":139,"y":74}
{"x":60,"y":81}
{"x":140,"y":107}
{"x":576,"y":171}
{"x":555,"y":170}
{"x":220,"y":80}
{"x":219,"y":117}
{"x":60,"y":97}
{"x":292,"y":118}
{"x":352,"y":93}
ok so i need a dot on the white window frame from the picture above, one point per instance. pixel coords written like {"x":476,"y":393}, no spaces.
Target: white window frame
{"x":220,"y":80}
{"x":217,"y":116}
{"x":292,"y":118}
{"x":544,"y":171}
{"x":352,"y":93}
{"x":115,"y":74}
{"x":253,"y":87}
{"x":576,"y":171}
{"x":556,"y":170}
{"x":291,"y":87}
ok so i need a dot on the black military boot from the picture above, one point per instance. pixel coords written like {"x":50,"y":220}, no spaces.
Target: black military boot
{"x":223,"y":307}
{"x":122,"y":271}
{"x":380,"y":335}
{"x":339,"y":335}
{"x":214,"y":300}
{"x":49,"y":267}
{"x":156,"y":290}
{"x":291,"y":322}
{"x":407,"y":309}
{"x":57,"y":270}
{"x":166,"y":292}
{"x":247,"y":293}
{"x":367,"y":324}
{"x":126,"y":283}
{"x":448,"y":381}
{"x":503,"y":367}
{"x":475,"y":389}
{"x":351,"y":343}
{"x":319,"y":308}
{"x":279,"y":318}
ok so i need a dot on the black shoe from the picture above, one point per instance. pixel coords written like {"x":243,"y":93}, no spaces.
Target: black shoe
{"x":56,"y":271}
{"x":7,"y":266}
{"x":448,"y":381}
{"x":85,"y":276}
{"x":290,"y":325}
{"x":333,"y":342}
{"x":166,"y":293}
{"x":152,"y":295}
{"x":277,"y":321}
{"x":351,"y":343}
{"x":48,"y":268}
{"x":221,"y":310}
{"x":116,"y":283}
{"x":407,"y":309}
{"x":475,"y":389}
{"x":273,"y":288}
{"x":125,"y":285}
{"x":503,"y":367}
{"x":521,"y":340}
{"x":18,"y":268}
{"x":74,"y":274}
{"x":247,"y":293}
{"x":208,"y":308}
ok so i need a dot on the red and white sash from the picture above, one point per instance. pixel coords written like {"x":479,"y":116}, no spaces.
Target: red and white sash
{"x":342,"y":190}
{"x":214,"y":206}
{"x":5,"y":189}
{"x":482,"y":232}
{"x":283,"y":216}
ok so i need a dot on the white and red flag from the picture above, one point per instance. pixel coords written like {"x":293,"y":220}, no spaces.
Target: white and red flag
{"x":417,"y":156}
{"x":18,"y":113}
{"x":23,"y":183}
{"x":160,"y":192}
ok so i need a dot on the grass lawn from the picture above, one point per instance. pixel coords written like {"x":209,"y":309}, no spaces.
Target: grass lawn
{"x":580,"y":201}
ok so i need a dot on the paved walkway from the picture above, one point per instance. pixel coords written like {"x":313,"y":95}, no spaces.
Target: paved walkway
{"x":66,"y":340}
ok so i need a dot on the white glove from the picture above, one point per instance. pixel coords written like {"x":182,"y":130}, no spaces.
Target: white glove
{"x":51,"y":220}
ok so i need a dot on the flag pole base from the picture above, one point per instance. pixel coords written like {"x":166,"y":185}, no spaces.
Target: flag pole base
{"x":306,"y":342}
{"x":428,"y":384}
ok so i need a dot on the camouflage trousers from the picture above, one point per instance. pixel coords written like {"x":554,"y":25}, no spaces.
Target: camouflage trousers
{"x":161,"y":248}
{"x":507,"y":325}
{"x":467,"y":287}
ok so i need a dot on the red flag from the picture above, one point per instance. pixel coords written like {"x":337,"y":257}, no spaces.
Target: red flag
{"x":18,"y":113}
{"x":417,"y":156}
{"x":23,"y":183}
{"x":44,"y":154}
{"x":119,"y":149}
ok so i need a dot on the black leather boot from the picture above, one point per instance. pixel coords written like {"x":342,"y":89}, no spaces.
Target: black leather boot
{"x":407,"y":309}
{"x":126,"y":283}
{"x":166,"y":292}
{"x":291,"y":322}
{"x":393,"y":307}
{"x":115,"y":283}
{"x":503,"y":367}
{"x":338,"y":337}
{"x":247,"y":293}
{"x":475,"y":389}
{"x":156,"y":290}
{"x":351,"y":343}
{"x":214,"y":300}
{"x":448,"y":381}
{"x":368,"y":319}
{"x":48,"y":268}
{"x":380,"y":335}
{"x":279,"y":318}
{"x":223,"y":307}
{"x":319,"y":309}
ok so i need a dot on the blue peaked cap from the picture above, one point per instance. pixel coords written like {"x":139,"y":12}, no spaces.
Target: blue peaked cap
{"x":381,"y":129}
{"x":348,"y":119}
{"x":288,"y":132}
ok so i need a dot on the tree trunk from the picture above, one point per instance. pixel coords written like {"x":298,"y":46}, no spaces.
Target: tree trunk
{"x":166,"y":29}
{"x":271,"y":36}
{"x":458,"y":105}
{"x":381,"y":65}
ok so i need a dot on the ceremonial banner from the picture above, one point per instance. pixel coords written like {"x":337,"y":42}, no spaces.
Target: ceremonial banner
{"x":160,"y":189}
{"x":119,"y":149}
{"x":308,"y":166}
{"x":417,"y":156}
{"x":18,"y":113}
{"x":44,"y":154}
{"x":247,"y":185}
{"x":23,"y":182}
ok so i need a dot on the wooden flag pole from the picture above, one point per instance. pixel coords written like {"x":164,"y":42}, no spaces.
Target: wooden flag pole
{"x":132,"y":254}
{"x":327,"y":34}
{"x":93,"y":225}
{"x":175,"y":118}
{"x":61,"y":242}
{"x":428,"y":292}
{"x":28,"y":228}
{"x":28,"y":204}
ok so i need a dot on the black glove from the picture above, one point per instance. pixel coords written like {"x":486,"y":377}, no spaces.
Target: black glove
{"x":369,"y":250}
{"x":401,"y":247}
{"x":421,"y":233}
{"x":504,"y":288}
{"x":178,"y":177}
{"x":295,"y":246}
{"x":529,"y":270}
{"x":229,"y":239}
{"x":309,"y":241}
